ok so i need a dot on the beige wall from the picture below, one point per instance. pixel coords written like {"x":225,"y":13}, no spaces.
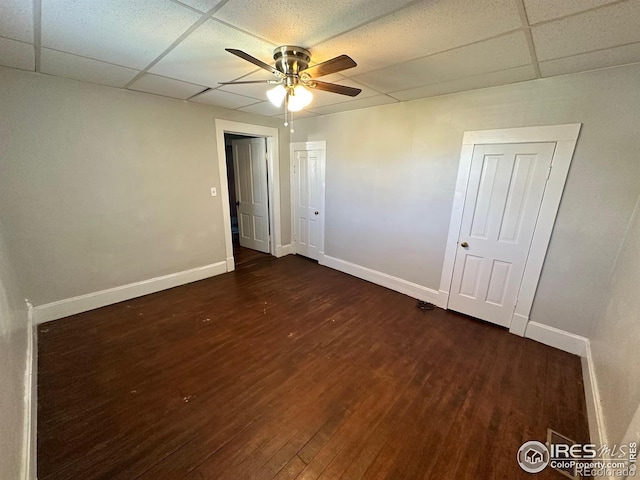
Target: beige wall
{"x":391,"y":174}
{"x":103,"y":187}
{"x":13,"y":357}
{"x":614,"y":344}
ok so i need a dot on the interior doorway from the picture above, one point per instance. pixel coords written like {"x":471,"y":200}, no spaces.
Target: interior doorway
{"x":248,"y":184}
{"x":268,"y":139}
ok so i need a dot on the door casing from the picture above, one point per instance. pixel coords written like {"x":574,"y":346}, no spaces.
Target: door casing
{"x":565,"y":137}
{"x":273,"y":174}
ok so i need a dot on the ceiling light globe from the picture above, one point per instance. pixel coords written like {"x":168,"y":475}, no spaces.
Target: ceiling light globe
{"x":276,"y":95}
{"x":300,"y":98}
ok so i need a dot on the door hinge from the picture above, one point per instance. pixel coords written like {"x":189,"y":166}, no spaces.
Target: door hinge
{"x":294,"y":169}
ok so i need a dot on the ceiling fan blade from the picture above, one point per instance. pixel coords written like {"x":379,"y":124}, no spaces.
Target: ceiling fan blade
{"x":335,"y":88}
{"x":244,"y":82}
{"x":255,"y":61}
{"x":337,"y":64}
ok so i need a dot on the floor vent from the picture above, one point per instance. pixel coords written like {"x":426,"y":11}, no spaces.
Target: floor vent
{"x":555,"y":438}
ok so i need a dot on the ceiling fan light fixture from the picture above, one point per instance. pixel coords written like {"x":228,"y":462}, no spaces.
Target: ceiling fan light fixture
{"x":299,"y":98}
{"x":276,"y":95}
{"x":294,"y":74}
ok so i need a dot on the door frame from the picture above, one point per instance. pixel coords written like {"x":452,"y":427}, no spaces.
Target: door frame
{"x":565,"y":138}
{"x":315,"y":145}
{"x":273,"y":182}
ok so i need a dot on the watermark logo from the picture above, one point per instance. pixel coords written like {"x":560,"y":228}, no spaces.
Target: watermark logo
{"x":533,"y":456}
{"x":576,"y":460}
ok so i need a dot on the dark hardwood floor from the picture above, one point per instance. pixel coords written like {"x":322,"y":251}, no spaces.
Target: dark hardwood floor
{"x":286,"y":369}
{"x":245,"y":257}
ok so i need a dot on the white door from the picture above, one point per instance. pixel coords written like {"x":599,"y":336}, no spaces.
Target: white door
{"x":504,"y":194}
{"x":308,"y":201}
{"x":250,"y":170}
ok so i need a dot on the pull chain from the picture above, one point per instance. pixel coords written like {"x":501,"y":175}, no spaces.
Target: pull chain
{"x":286,"y":109}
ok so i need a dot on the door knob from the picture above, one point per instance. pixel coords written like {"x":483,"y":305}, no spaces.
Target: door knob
{"x":316,"y":212}
{"x":464,"y":245}
{"x":237,"y":204}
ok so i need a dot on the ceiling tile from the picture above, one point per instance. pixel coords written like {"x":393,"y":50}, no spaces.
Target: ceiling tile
{"x":123,"y":32}
{"x":298,"y":115}
{"x":223,"y":99}
{"x":492,"y":79}
{"x":422,"y":29}
{"x":603,"y":28}
{"x":499,"y":53}
{"x":84,"y":69}
{"x":167,"y":87}
{"x":16,"y":21}
{"x":303,"y":22}
{"x":202,"y":5}
{"x":17,"y":54}
{"x":541,"y":10}
{"x":591,"y":61}
{"x":263,"y":108}
{"x":201,"y":57}
{"x":355,"y":104}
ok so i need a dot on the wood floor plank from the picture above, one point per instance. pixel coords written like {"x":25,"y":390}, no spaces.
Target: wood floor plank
{"x":284,"y":369}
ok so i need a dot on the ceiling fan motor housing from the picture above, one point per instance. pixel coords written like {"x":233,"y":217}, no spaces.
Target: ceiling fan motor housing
{"x":291,"y":60}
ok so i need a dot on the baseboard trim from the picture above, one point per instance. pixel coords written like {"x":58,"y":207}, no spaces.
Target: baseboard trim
{"x":393,"y":283}
{"x":282,"y":250}
{"x":554,"y":337}
{"x":91,"y":301}
{"x":592,"y":396}
{"x":30,"y":399}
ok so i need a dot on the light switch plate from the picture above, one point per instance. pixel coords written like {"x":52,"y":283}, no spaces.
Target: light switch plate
{"x":214,"y":192}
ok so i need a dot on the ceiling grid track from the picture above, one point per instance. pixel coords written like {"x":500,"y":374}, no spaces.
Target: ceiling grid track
{"x":188,"y":7}
{"x":364,"y":24}
{"x":238,"y":29}
{"x":504,"y":34}
{"x":577,"y":14}
{"x":599,"y":50}
{"x":91,"y":58}
{"x":391,"y":94}
{"x":527,"y":32}
{"x":206,"y":16}
{"x":37,"y":33}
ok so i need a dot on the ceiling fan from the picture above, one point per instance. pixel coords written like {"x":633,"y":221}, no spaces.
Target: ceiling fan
{"x":293,"y":76}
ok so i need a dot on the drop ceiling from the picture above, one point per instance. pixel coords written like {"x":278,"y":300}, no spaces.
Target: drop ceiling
{"x":405,"y":49}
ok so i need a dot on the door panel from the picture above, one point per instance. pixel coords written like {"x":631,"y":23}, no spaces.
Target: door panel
{"x":250,"y":169}
{"x":307,"y":184}
{"x":498,"y":281}
{"x":504,"y":194}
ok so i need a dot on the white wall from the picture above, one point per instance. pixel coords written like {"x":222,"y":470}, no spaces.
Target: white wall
{"x":391,"y":174}
{"x":103,"y":187}
{"x":614,"y":345}
{"x":13,"y":357}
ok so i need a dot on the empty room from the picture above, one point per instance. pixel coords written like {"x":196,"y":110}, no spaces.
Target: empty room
{"x":288,"y":240}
